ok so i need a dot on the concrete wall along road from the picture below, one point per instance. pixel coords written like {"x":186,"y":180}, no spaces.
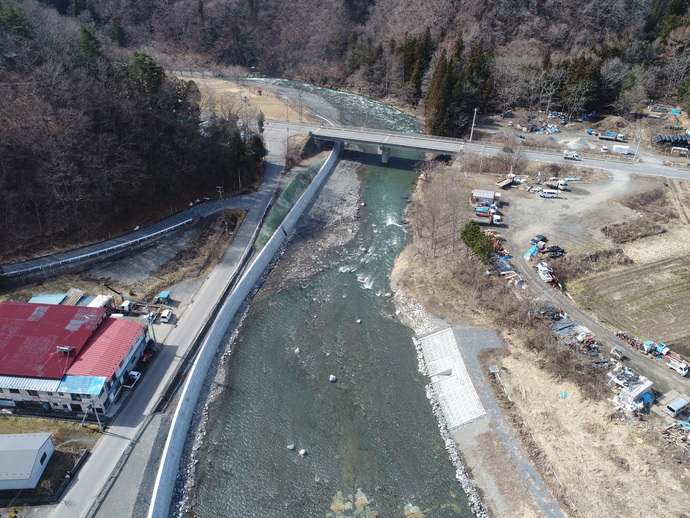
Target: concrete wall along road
{"x":170,"y":463}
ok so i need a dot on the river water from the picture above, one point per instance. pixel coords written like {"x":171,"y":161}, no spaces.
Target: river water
{"x":371,"y":440}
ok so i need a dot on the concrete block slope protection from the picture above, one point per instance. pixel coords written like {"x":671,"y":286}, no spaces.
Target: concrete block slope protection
{"x":170,"y":462}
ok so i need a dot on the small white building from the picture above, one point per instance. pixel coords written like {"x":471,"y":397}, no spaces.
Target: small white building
{"x":480,"y":196}
{"x":23,"y":457}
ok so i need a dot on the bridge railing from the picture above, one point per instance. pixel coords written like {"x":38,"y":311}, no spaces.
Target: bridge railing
{"x":476,"y":143}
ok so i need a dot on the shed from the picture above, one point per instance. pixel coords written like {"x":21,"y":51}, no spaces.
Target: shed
{"x":481,"y":196}
{"x":23,"y":457}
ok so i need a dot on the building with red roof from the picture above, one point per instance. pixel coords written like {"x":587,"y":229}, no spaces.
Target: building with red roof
{"x":68,"y":358}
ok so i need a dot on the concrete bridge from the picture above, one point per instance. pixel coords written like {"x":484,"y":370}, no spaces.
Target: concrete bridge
{"x":646,"y":165}
{"x":390,"y":139}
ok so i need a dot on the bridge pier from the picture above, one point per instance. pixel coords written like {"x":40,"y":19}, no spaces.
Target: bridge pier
{"x":385,"y":154}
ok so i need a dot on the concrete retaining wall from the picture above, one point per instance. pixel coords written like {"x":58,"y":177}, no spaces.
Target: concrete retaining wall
{"x":170,"y":463}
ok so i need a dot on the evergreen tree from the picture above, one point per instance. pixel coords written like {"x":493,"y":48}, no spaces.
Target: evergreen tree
{"x":146,"y":72}
{"x":439,"y":97}
{"x":13,"y":18}
{"x":89,"y":45}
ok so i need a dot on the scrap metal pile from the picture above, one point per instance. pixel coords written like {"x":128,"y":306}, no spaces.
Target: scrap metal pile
{"x":677,"y":433}
{"x":554,"y":251}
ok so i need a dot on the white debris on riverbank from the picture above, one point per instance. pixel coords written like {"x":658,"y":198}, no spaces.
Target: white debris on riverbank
{"x":415,"y":316}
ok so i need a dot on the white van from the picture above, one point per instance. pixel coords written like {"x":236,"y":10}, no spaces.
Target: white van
{"x":166,"y":315}
{"x":549,"y":193}
{"x":677,"y":406}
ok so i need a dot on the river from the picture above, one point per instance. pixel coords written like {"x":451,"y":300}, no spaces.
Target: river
{"x":371,"y":442}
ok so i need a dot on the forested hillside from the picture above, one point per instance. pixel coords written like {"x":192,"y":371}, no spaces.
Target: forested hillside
{"x":572,"y":55}
{"x":92,"y":131}
{"x":95,"y":139}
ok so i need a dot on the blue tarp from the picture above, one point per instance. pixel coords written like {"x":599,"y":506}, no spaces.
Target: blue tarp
{"x":48,"y":298}
{"x":647,"y":397}
{"x":532,"y":251}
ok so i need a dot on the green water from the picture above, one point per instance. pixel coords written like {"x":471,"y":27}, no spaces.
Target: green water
{"x":370,"y":434}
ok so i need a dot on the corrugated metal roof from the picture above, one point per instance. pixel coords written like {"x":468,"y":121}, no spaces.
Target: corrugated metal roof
{"x":109,"y":345}
{"x":18,"y":454}
{"x":82,"y":385}
{"x":48,"y":298}
{"x":23,"y":383}
{"x":30,"y":334}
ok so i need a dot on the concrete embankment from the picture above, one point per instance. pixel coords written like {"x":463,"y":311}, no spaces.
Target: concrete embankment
{"x":165,"y":481}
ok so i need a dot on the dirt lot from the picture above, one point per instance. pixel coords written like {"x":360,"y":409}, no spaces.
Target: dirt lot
{"x":591,"y":457}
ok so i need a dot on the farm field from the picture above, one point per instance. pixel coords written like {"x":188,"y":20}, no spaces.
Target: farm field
{"x":649,"y":301}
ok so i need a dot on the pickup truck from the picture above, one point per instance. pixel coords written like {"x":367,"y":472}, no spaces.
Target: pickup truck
{"x":571,"y":155}
{"x":132,"y":379}
{"x":544,"y":272}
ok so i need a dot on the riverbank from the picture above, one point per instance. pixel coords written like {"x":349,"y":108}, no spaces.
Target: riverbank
{"x":590,"y":456}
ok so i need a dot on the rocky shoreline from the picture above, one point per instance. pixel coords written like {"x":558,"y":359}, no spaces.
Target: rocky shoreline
{"x":415,"y":316}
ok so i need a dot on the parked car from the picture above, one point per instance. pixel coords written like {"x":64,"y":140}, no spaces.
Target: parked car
{"x":132,"y":379}
{"x":538,"y":239}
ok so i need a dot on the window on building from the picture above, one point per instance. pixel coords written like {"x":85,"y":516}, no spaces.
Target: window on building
{"x":14,"y":391}
{"x":76,"y":397}
{"x":33,"y":393}
{"x":50,"y":393}
{"x":64,"y":406}
{"x":61,"y":394}
{"x":43,"y":457}
{"x":0,"y":391}
{"x":55,"y":404}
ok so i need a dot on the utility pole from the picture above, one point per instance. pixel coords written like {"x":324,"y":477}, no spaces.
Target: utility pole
{"x":150,"y":320}
{"x":86,"y":412}
{"x":222,"y":207}
{"x":639,"y":141}
{"x":473,"y":119}
{"x":300,"y":105}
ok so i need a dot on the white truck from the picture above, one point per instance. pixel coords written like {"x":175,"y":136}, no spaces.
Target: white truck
{"x":571,"y":155}
{"x":621,"y":150}
{"x":680,"y":366}
{"x":544,"y":272}
{"x":555,"y":183}
{"x":492,"y":219}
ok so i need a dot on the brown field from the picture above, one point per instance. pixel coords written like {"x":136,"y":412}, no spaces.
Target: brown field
{"x":649,"y":301}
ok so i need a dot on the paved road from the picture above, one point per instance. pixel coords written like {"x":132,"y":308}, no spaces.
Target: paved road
{"x":94,"y":475}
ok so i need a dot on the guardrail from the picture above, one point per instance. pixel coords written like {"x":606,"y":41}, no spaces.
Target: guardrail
{"x":83,"y":257}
